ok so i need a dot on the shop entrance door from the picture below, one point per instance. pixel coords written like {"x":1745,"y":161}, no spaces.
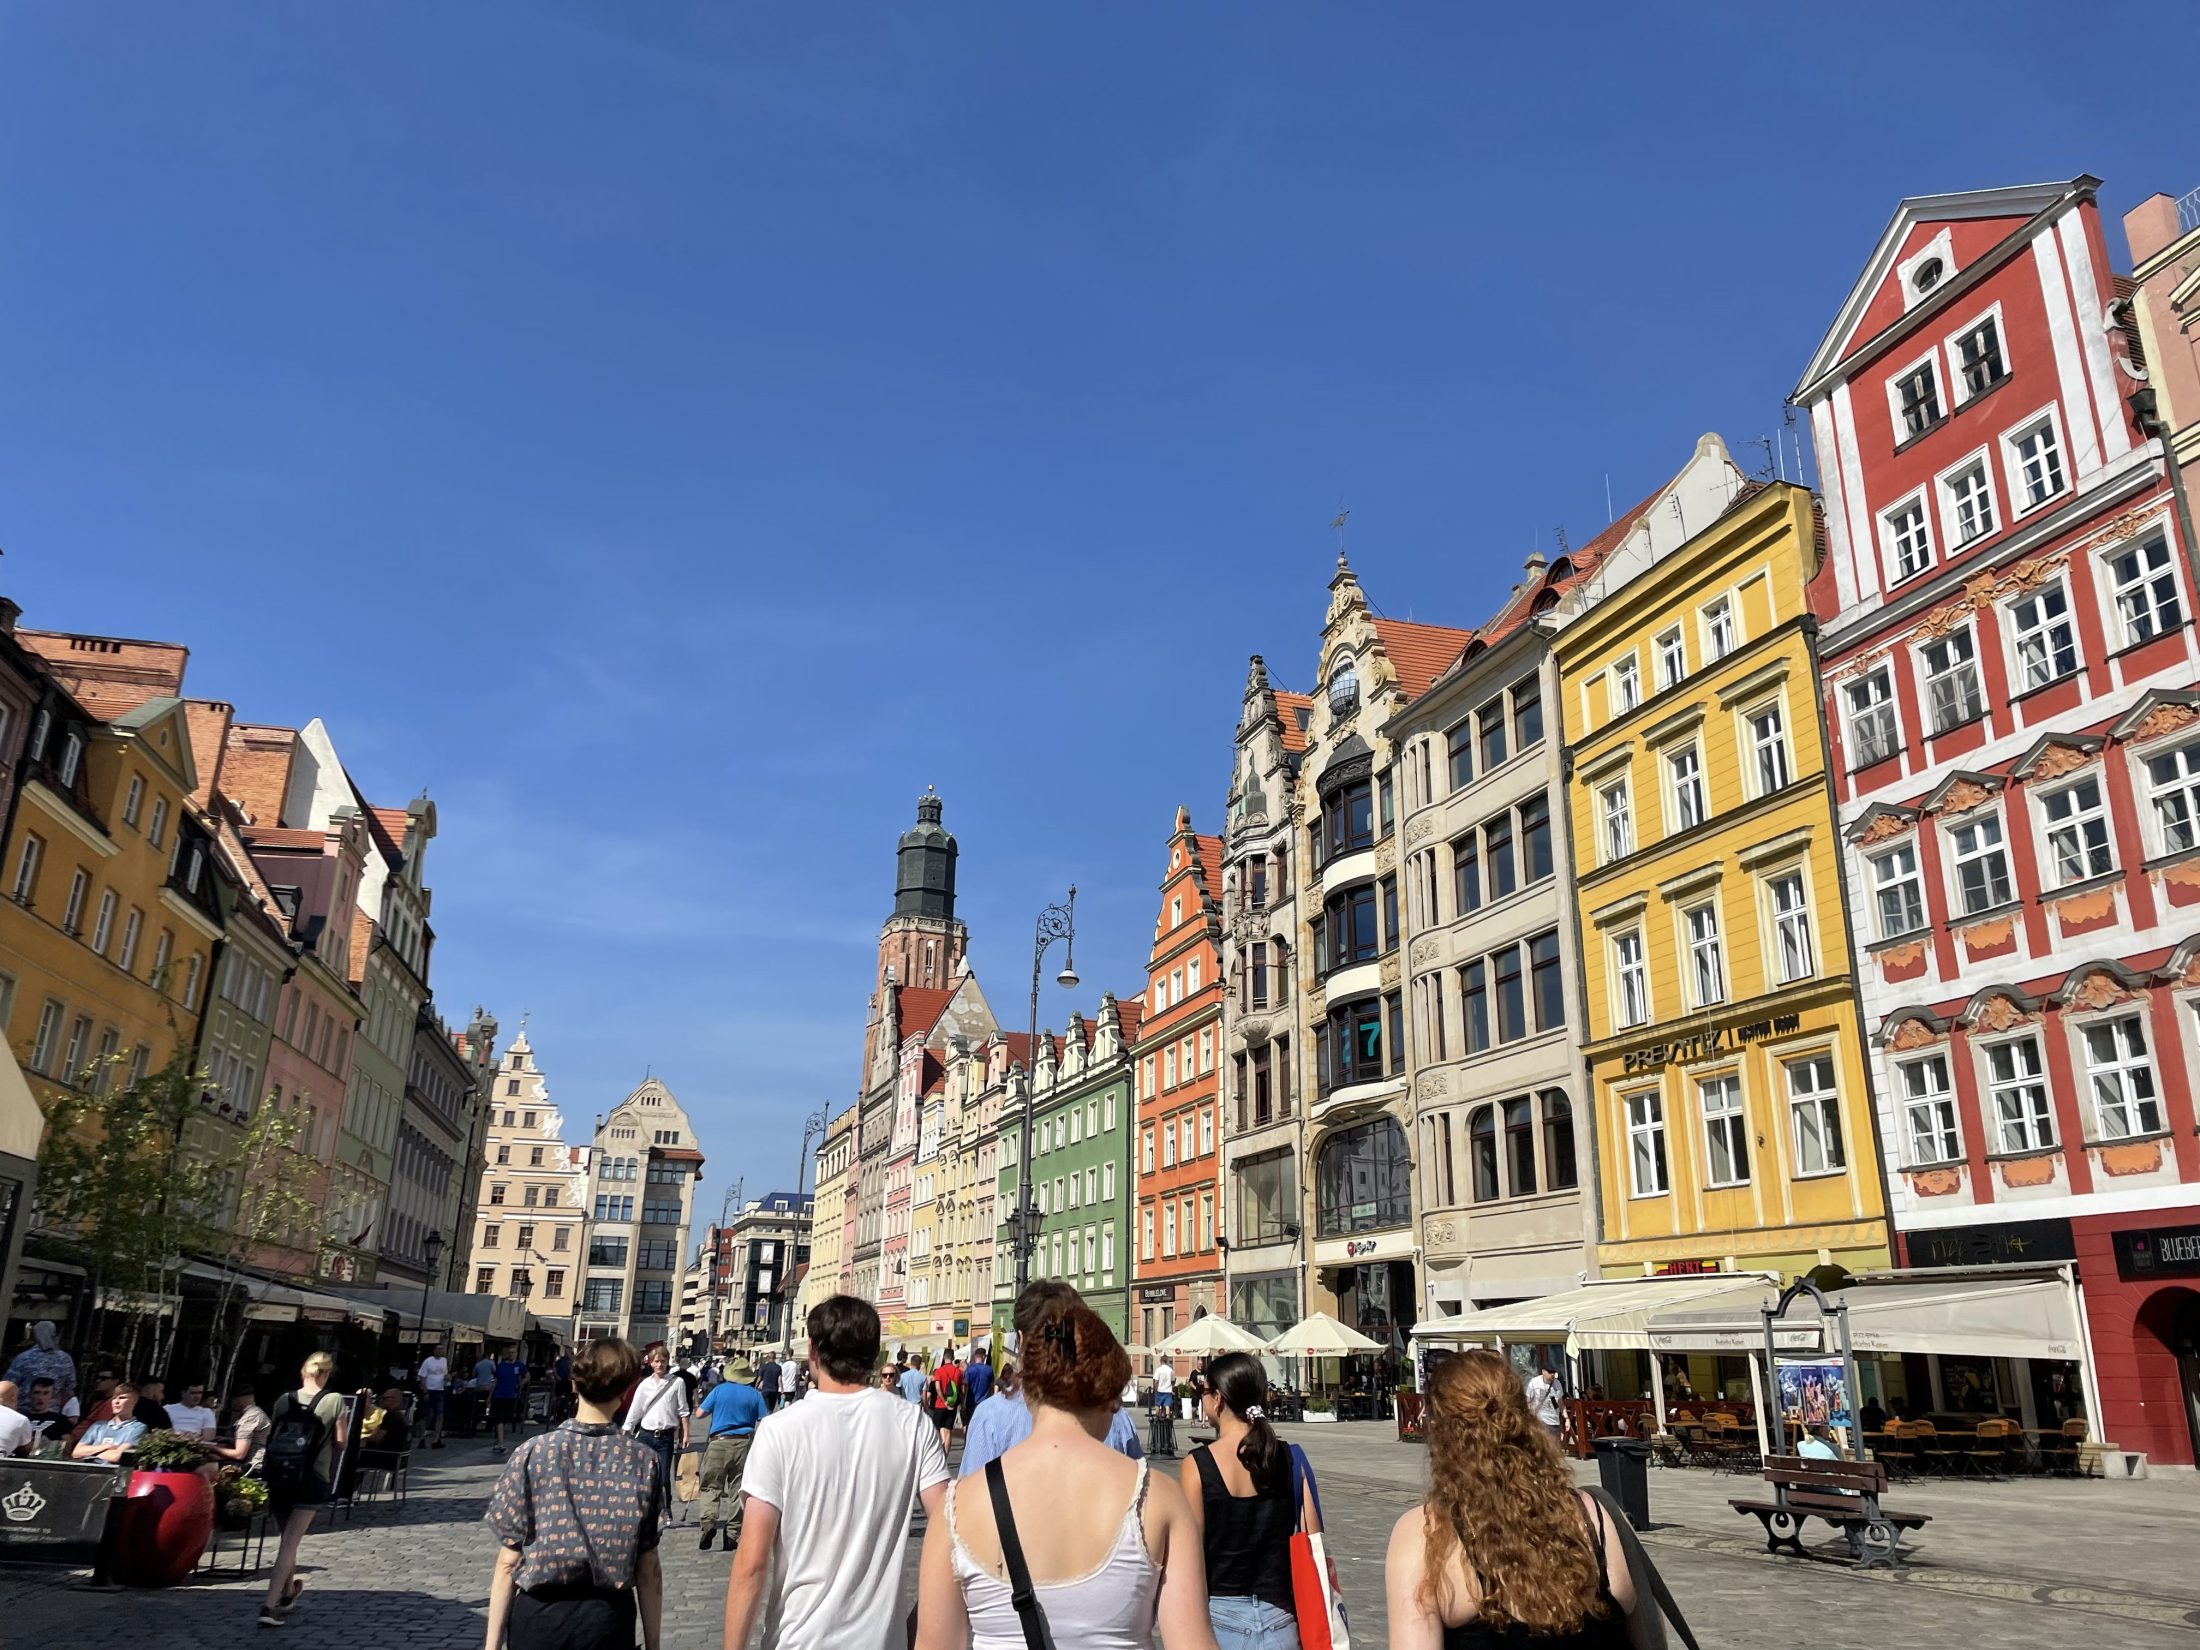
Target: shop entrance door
{"x":2172,"y":1316}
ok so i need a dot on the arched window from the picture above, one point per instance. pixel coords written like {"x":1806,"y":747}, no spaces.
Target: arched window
{"x":1482,"y":1153}
{"x":1344,"y":686}
{"x":1558,"y":1140}
{"x":1362,"y":1179}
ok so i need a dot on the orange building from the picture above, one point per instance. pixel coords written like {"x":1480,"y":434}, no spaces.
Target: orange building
{"x":1176,"y":1160}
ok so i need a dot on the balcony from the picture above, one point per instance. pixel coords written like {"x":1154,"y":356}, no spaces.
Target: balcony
{"x":2188,"y":212}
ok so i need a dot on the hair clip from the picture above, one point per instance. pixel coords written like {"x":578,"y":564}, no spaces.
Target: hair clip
{"x":1253,"y":1412}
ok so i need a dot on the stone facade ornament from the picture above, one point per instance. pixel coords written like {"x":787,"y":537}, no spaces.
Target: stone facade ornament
{"x":1964,"y":795}
{"x":1885,"y":826}
{"x":2100,"y":989}
{"x":1386,"y":854}
{"x":1420,"y":826}
{"x":1443,"y":1231}
{"x":2000,"y":1013}
{"x":1253,"y":1031}
{"x":2166,"y":719}
{"x":1391,"y":970}
{"x":1432,"y":1085}
{"x":2057,"y":760}
{"x":1426,"y":949}
{"x":1911,"y":1034}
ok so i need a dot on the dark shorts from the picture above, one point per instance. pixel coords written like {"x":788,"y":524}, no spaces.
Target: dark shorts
{"x":431,"y":1408}
{"x":572,"y":1618}
{"x":504,"y":1411}
{"x":941,"y":1417}
{"x":309,"y":1491}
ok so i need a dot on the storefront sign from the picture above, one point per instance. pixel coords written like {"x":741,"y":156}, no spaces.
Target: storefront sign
{"x":1156,"y":1294}
{"x":2150,"y":1252}
{"x":1359,"y":1251}
{"x":1687,"y":1268}
{"x":52,"y":1512}
{"x":1993,"y":1243}
{"x":1703,"y":1044}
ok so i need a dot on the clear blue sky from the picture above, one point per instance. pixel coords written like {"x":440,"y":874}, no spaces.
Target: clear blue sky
{"x":676,"y":434}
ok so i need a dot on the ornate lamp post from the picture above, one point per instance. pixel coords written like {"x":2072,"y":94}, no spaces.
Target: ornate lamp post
{"x":1056,"y":922}
{"x":431,"y":1246}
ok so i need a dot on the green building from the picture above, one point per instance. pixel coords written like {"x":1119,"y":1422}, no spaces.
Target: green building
{"x":1080,"y":1165}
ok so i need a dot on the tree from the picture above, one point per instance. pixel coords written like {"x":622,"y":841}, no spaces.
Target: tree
{"x":273,"y":1208}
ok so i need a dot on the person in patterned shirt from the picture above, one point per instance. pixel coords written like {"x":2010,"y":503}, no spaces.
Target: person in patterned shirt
{"x":577,"y":1515}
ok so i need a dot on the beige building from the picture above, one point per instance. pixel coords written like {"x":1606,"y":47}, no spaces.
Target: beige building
{"x":531,"y":1221}
{"x":828,"y":1253}
{"x":643,"y":1168}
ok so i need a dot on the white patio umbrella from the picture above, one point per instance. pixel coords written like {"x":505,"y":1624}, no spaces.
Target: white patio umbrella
{"x":1321,"y":1336}
{"x":1210,"y":1335}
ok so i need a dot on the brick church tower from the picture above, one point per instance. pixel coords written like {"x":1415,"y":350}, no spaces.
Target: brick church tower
{"x":922,"y":943}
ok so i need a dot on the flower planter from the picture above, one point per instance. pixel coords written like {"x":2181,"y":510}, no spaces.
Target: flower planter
{"x":1321,"y":1415}
{"x":163,"y":1525}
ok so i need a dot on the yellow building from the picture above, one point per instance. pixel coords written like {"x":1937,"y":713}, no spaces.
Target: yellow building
{"x":112,"y":915}
{"x":1727,"y":1069}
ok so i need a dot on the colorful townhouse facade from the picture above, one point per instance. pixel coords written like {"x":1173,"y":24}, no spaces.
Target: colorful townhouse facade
{"x":529,"y":1237}
{"x":1177,"y":1089}
{"x":1728,"y":1073}
{"x":2012,"y":677}
{"x":1264,"y":1122}
{"x":644,"y":1161}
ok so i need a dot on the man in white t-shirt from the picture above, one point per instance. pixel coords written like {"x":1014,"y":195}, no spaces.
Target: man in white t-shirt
{"x":17,"y":1435}
{"x":1543,"y":1400}
{"x":830,"y":1484}
{"x":435,"y":1380}
{"x":190,"y":1417}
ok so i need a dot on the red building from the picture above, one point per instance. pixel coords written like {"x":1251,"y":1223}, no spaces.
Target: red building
{"x":2010,"y":665}
{"x":1176,"y":1149}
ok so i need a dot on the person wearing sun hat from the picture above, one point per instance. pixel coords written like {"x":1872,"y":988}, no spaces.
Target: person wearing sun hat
{"x":731,"y":1409}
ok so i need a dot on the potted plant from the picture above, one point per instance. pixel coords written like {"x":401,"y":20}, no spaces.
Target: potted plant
{"x":240,"y":1499}
{"x":1318,"y":1409}
{"x":167,"y":1514}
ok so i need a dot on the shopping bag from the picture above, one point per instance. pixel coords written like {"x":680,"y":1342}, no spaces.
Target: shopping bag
{"x":1316,"y":1600}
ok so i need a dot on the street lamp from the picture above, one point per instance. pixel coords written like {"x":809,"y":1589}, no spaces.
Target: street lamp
{"x":431,"y":1246}
{"x":1056,"y":922}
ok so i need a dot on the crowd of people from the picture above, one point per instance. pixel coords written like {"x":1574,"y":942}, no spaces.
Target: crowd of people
{"x":810,"y":1473}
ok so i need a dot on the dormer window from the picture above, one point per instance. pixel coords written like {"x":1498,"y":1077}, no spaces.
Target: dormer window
{"x":1344,"y":686}
{"x":1927,"y":275}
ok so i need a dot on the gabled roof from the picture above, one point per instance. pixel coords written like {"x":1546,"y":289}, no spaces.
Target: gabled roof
{"x":1294,"y":710}
{"x":110,"y":676}
{"x":1418,"y":652}
{"x":2017,"y":201}
{"x":1130,"y":1012}
{"x":391,"y":824}
{"x":920,"y":1008}
{"x":1209,"y":850}
{"x":256,"y":769}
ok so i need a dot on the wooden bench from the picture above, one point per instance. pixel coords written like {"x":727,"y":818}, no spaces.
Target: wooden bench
{"x":1842,"y":1493}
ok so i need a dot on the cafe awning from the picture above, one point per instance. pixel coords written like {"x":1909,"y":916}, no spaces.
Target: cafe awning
{"x":2027,"y":1314}
{"x":496,"y":1317}
{"x":270,"y":1300}
{"x":1608,"y":1314}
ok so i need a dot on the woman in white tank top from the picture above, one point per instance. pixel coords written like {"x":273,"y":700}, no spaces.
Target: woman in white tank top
{"x":1112,"y":1551}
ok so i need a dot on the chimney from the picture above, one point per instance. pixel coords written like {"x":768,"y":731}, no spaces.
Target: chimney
{"x":10,"y":611}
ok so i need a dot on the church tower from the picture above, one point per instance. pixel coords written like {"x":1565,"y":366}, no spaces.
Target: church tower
{"x":922,"y":943}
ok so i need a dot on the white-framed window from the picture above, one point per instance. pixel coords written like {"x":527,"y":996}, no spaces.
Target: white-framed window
{"x":1191,"y":975}
{"x":1914,"y":395}
{"x":103,"y":925}
{"x":1908,"y":536}
{"x":1206,"y":1131}
{"x":2144,"y":583}
{"x":72,"y":912}
{"x":2035,"y":460}
{"x":2077,"y":832}
{"x":1967,"y":502}
{"x":2045,"y":635}
{"x":1631,"y":976}
{"x":1980,"y":858}
{"x":1685,"y":768}
{"x":1706,"y":959}
{"x":1952,"y":695}
{"x":72,"y":754}
{"x":1726,"y":1131}
{"x":1672,"y":649}
{"x":1646,"y":1167}
{"x":1768,"y":748}
{"x":46,"y":1041}
{"x":1814,"y":1109}
{"x":1929,"y":1110}
{"x":2126,"y":1099}
{"x":1146,"y":1153}
{"x":2173,"y":785}
{"x":1145,"y":1233}
{"x":1168,"y":1229}
{"x":1168,"y":1145}
{"x":1976,"y":352}
{"x":158,"y":823}
{"x":1719,"y":634}
{"x":133,"y":799}
{"x":1791,"y":926}
{"x":1616,"y":810}
{"x":1626,"y":685}
{"x":132,"y":926}
{"x":1107,"y":1246}
{"x":1186,"y":1150}
{"x":1898,"y":891}
{"x":191,"y":979}
{"x":2016,"y":1084}
{"x":1874,"y":734}
{"x":26,"y":868}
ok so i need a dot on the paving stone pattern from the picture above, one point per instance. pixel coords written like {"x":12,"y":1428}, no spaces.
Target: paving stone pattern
{"x":2001,"y":1564}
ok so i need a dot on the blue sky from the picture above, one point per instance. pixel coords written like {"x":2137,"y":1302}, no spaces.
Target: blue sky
{"x":676,"y":434}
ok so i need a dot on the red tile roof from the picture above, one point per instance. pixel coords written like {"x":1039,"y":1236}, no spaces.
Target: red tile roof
{"x":256,"y":770}
{"x":1294,"y":708}
{"x":392,"y":824}
{"x":1130,"y":1011}
{"x":274,"y":836}
{"x":1209,"y":849}
{"x":921,"y":1008}
{"x":362,"y":941}
{"x":110,"y":676}
{"x":208,"y":722}
{"x":1419,"y":652}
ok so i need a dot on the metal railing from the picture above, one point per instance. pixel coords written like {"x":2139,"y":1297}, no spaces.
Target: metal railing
{"x":2188,"y":212}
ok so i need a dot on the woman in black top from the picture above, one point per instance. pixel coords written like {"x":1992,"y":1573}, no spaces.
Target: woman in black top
{"x":1504,"y":1550}
{"x":1247,"y":1503}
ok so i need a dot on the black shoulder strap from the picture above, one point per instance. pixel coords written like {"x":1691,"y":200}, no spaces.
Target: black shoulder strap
{"x":1020,"y":1591}
{"x":1210,"y":1475}
{"x":1639,"y":1565}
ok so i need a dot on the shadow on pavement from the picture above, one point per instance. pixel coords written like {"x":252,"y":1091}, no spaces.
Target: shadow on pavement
{"x":219,"y":1618}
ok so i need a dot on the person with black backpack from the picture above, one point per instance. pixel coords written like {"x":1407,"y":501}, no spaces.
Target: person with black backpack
{"x":308,"y":1434}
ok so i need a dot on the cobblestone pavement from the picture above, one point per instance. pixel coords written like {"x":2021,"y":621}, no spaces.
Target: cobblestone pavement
{"x":2001,"y":1564}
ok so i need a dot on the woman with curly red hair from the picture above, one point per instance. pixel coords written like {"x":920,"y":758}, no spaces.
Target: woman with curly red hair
{"x":1110,"y":1551}
{"x":1504,"y":1550}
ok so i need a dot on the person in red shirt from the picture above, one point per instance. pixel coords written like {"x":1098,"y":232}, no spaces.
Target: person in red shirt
{"x":943,"y":1395}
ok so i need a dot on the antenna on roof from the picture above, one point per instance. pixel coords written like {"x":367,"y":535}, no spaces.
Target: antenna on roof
{"x":1609,"y":518}
{"x":1796,"y":436}
{"x":1563,"y":548}
{"x":1337,"y":526}
{"x":1764,"y":441}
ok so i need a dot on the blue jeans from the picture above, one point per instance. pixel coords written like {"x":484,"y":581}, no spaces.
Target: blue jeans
{"x":663,"y":1445}
{"x":1252,"y":1624}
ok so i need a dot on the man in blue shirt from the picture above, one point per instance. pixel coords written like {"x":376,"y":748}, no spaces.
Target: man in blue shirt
{"x":911,"y":1381}
{"x":997,"y":1427}
{"x":112,"y":1439}
{"x":731,"y":1409}
{"x":507,"y":1375}
{"x":977,"y":1382}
